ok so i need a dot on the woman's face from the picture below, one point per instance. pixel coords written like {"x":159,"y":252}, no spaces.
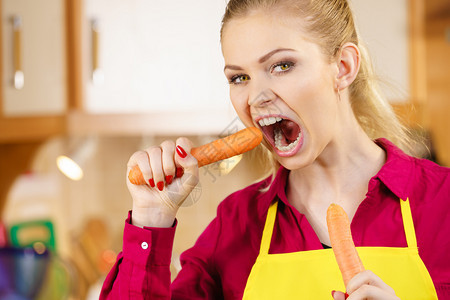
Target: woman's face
{"x":281,"y":82}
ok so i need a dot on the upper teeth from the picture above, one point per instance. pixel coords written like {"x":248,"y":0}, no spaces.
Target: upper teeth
{"x":269,"y":121}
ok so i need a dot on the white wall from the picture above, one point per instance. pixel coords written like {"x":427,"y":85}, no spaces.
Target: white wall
{"x":383,"y":26}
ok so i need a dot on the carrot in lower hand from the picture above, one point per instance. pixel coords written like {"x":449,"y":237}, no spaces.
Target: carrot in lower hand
{"x":342,"y":243}
{"x":238,"y":143}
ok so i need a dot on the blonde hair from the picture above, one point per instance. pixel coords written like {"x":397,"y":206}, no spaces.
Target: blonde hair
{"x":331,"y":24}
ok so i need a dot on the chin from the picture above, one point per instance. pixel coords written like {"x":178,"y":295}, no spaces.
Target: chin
{"x":292,"y":163}
{"x":295,"y":162}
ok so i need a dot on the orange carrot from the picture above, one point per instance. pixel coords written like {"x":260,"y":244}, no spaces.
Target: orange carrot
{"x":342,"y":243}
{"x":237,"y":143}
{"x":135,"y":176}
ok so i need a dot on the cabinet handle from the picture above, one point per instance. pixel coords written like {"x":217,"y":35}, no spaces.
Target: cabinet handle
{"x":97,"y":73}
{"x":17,"y":52}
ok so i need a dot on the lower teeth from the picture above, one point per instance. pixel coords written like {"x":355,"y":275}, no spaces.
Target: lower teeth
{"x":279,"y":137}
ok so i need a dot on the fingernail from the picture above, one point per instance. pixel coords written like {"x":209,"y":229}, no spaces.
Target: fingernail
{"x":346,"y":295}
{"x":332,"y":293}
{"x":160,"y":185}
{"x":179,"y":172}
{"x":181,"y":152}
{"x":169,"y":179}
{"x":151,"y":182}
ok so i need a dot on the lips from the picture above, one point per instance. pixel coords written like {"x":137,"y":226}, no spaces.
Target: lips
{"x":283,"y":134}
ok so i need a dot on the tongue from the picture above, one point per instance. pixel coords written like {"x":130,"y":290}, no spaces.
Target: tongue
{"x":290,"y":130}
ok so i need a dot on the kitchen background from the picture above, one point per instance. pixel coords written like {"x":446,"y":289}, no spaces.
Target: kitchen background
{"x":96,"y":80}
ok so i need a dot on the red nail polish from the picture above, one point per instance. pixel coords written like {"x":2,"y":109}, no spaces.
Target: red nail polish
{"x":160,"y":185}
{"x":332,"y":293}
{"x":169,"y":179}
{"x":181,"y":152}
{"x":346,"y":295}
{"x":179,"y":172}
{"x":151,"y":182}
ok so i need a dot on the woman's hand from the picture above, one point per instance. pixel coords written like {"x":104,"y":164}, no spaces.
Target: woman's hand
{"x":156,"y":204}
{"x":367,"y":285}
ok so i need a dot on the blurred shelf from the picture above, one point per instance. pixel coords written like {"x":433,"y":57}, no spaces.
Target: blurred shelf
{"x":162,"y":123}
{"x":23,"y":129}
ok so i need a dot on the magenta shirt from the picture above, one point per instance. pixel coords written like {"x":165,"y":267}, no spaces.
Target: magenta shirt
{"x":218,"y":265}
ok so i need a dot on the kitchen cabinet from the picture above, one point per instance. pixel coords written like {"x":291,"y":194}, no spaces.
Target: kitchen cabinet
{"x":33,"y":44}
{"x":33,"y":69}
{"x":147,"y":56}
{"x":146,"y":59}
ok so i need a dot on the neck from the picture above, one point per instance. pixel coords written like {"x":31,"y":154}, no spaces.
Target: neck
{"x":340,"y":174}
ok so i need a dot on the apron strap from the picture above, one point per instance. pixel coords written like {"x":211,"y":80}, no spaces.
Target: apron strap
{"x":272,"y":213}
{"x":408,"y":223}
{"x":268,"y":229}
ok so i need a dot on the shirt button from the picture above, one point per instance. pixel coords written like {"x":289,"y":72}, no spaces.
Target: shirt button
{"x":144,"y":245}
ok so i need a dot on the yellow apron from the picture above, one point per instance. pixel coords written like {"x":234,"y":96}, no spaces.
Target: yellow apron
{"x":314,"y":274}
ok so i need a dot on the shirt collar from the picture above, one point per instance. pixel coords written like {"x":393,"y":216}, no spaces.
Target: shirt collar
{"x":277,"y":187}
{"x":397,"y":171}
{"x":394,"y":174}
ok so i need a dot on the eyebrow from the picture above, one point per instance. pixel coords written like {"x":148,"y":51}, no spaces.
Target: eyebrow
{"x":261,"y":60}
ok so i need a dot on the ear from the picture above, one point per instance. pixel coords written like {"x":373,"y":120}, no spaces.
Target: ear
{"x":348,"y":61}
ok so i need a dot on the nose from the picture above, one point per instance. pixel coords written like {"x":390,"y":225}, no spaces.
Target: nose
{"x":261,"y":96}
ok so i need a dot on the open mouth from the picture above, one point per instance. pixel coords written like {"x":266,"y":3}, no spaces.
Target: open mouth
{"x":283,"y":134}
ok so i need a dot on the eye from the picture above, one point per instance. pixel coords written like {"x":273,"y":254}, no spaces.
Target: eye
{"x":237,"y":79}
{"x":282,"y":67}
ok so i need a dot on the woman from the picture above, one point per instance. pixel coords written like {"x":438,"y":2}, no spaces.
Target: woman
{"x":296,"y":70}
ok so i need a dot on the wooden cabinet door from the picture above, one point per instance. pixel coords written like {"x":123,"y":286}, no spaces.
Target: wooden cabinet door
{"x":33,"y":36}
{"x":153,"y":56}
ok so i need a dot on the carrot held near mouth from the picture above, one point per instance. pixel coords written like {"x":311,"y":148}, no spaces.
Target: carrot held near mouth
{"x":235,"y":144}
{"x":342,"y":243}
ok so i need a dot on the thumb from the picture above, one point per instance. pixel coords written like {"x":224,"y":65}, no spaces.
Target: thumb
{"x":338,"y":295}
